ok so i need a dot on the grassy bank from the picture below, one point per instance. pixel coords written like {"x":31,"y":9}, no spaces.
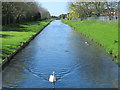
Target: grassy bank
{"x":15,"y":35}
{"x":104,"y":33}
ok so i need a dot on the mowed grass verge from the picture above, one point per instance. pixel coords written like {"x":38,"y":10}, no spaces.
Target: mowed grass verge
{"x":13,"y":36}
{"x":104,"y":33}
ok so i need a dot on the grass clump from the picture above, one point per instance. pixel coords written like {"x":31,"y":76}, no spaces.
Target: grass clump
{"x":105,"y":33}
{"x":15,"y":35}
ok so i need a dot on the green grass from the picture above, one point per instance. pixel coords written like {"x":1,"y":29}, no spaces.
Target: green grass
{"x":15,"y":35}
{"x":105,"y":33}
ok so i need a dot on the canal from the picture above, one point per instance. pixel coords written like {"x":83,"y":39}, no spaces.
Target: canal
{"x":63,"y":50}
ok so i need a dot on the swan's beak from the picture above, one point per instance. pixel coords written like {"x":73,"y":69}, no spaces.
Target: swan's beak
{"x":53,"y":73}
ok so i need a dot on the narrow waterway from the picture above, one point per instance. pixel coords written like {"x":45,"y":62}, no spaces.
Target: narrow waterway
{"x":61,"y":49}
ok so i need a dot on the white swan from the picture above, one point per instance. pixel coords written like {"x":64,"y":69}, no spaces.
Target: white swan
{"x":86,"y":43}
{"x":52,"y":78}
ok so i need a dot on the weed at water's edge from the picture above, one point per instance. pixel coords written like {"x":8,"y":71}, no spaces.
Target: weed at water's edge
{"x":104,"y":33}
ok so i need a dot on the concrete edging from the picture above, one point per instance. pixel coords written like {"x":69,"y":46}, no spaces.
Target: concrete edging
{"x":7,"y":60}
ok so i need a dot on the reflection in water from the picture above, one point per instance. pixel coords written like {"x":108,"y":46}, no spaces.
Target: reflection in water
{"x":63,"y":50}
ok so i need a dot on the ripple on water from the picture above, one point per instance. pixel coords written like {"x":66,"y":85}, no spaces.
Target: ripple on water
{"x":61,"y":49}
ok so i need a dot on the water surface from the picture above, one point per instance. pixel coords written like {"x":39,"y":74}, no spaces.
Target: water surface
{"x":61,"y":49}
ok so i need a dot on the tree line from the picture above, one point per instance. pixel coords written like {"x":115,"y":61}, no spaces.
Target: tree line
{"x":78,"y":9}
{"x":17,"y":12}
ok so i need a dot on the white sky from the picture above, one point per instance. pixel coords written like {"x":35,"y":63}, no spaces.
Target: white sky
{"x":55,"y":8}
